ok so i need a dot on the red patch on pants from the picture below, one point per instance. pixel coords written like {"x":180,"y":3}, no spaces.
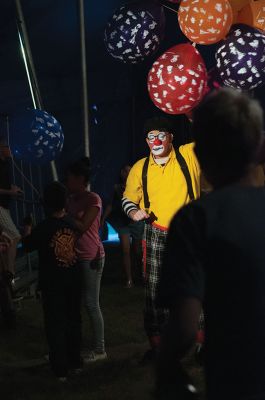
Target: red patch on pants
{"x":144,"y":257}
{"x":200,"y":337}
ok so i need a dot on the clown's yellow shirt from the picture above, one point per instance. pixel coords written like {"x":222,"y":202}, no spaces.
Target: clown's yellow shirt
{"x":166,"y":185}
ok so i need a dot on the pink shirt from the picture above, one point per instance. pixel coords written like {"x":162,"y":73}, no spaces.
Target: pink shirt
{"x":89,"y":245}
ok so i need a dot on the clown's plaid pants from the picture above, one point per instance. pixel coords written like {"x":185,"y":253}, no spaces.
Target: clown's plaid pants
{"x":153,"y":249}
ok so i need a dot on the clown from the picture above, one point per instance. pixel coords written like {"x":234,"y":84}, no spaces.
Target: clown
{"x":159,"y":143}
{"x":157,"y":187}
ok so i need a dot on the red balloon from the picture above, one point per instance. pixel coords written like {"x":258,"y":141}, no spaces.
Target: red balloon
{"x":177,"y":80}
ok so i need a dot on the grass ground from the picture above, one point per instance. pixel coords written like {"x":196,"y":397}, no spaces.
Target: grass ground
{"x":23,"y":378}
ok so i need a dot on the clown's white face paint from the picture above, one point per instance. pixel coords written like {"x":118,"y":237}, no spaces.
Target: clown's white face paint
{"x":160,"y":146}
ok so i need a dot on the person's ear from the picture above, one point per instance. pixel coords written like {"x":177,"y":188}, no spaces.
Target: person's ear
{"x":171,"y":137}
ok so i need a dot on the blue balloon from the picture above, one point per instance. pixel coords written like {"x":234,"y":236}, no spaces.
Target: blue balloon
{"x":241,"y":58}
{"x":135,"y":31}
{"x":35,"y":136}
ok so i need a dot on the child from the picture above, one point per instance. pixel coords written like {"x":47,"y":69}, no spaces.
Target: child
{"x":85,"y":209}
{"x":126,"y":228}
{"x":55,"y":238}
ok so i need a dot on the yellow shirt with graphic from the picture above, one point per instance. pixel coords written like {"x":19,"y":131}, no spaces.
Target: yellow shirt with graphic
{"x":166,"y":185}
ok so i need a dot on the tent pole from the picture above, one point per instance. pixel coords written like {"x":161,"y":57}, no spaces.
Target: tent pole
{"x":30,"y":68}
{"x":84,"y":78}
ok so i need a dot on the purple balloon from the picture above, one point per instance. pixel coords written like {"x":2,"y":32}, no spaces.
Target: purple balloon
{"x":135,"y":31}
{"x":241,"y":58}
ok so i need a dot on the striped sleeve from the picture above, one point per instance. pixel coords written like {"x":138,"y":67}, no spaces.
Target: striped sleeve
{"x":128,"y":206}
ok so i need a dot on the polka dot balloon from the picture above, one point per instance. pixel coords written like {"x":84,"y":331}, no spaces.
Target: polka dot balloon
{"x":241,"y":58}
{"x":177,"y":80}
{"x":135,"y":31}
{"x":205,"y":21}
{"x":253,"y":14}
{"x":237,"y":5}
{"x":35,"y":136}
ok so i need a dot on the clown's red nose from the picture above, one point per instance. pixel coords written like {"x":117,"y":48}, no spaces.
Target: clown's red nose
{"x":157,"y":142}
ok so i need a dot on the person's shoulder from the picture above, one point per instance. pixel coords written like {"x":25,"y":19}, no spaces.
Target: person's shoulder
{"x":191,"y":209}
{"x":227,"y":200}
{"x":139,"y":164}
{"x":218,"y":199}
{"x":137,"y":168}
{"x":92,"y":196}
{"x":236,"y":193}
{"x":68,"y":222}
{"x":43,"y":227}
{"x":187,"y":149}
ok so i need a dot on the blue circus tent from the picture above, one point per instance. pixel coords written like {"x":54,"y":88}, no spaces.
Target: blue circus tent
{"x":118,"y":98}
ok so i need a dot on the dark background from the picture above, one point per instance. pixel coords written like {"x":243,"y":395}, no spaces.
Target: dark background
{"x":117,"y":90}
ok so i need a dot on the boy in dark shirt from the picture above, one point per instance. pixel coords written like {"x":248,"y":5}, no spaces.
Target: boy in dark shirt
{"x":59,"y":281}
{"x":215,"y":257}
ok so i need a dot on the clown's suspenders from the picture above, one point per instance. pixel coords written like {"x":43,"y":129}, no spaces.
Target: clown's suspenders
{"x":184,"y":169}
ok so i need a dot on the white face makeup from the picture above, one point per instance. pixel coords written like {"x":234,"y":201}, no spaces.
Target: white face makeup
{"x":159,"y":143}
{"x":158,"y":150}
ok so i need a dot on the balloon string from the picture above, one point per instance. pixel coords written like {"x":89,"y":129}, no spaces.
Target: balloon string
{"x":25,"y":178}
{"x":169,"y":8}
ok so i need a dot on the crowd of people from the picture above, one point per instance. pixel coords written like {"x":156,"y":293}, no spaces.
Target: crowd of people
{"x":199,"y":212}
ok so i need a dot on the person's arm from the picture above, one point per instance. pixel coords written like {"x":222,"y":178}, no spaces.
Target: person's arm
{"x":5,"y":242}
{"x":6,"y":238}
{"x":205,"y":186}
{"x":30,"y":240}
{"x":132,"y":210}
{"x":14,"y":191}
{"x":172,"y":381}
{"x":105,"y":215}
{"x":108,"y":208}
{"x":181,"y":290}
{"x":201,"y":181}
{"x":87,"y":220}
{"x":133,"y":194}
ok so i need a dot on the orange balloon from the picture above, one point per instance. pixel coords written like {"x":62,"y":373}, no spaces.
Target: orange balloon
{"x":205,"y":21}
{"x":237,"y":5}
{"x":253,"y":14}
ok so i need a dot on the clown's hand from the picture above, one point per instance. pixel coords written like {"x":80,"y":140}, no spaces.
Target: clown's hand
{"x":138,"y":215}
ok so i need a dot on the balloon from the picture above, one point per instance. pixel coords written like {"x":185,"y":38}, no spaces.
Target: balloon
{"x":35,"y":136}
{"x":205,"y":22}
{"x":213,"y":83}
{"x":237,"y":5}
{"x":253,"y":15}
{"x":177,"y":80}
{"x":241,"y":58}
{"x":135,"y":31}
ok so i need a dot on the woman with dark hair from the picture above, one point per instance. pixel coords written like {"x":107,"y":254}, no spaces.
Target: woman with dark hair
{"x":125,"y":227}
{"x":85,"y":207}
